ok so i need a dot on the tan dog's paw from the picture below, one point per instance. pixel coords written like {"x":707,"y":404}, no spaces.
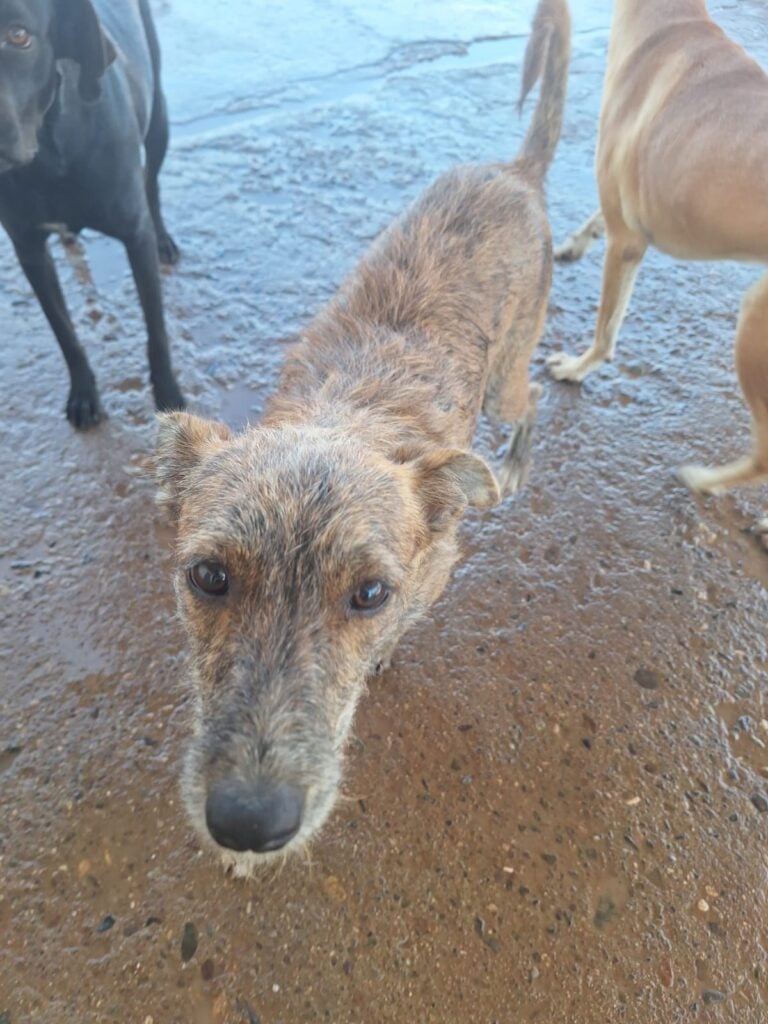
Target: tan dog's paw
{"x":567,"y":252}
{"x":570,"y":368}
{"x":701,"y":479}
{"x":581,"y":241}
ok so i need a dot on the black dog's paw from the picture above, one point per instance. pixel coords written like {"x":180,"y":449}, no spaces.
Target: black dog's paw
{"x":167,"y":250}
{"x":83,"y":407}
{"x":168,"y":396}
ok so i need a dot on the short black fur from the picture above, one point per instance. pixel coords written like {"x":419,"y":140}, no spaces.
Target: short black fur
{"x":78,"y":104}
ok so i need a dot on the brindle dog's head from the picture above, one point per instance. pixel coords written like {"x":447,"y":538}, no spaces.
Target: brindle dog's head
{"x":302,"y":557}
{"x":34,"y":36}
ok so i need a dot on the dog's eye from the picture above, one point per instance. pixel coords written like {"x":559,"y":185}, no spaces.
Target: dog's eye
{"x":209,"y":577}
{"x":370,"y":596}
{"x":19,"y":37}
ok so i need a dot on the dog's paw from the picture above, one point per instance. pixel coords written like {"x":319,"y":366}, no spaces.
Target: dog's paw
{"x":512,"y":477}
{"x":84,"y":407}
{"x":761,"y":529}
{"x":168,"y":396}
{"x":569,"y":251}
{"x":512,"y":474}
{"x":701,"y":479}
{"x":167,"y":251}
{"x":569,"y":368}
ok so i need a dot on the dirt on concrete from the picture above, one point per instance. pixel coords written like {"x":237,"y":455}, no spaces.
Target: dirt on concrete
{"x":557,"y":798}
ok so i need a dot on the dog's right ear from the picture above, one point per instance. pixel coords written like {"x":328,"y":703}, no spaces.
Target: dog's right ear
{"x":183,"y":441}
{"x":78,"y":36}
{"x":447,"y":481}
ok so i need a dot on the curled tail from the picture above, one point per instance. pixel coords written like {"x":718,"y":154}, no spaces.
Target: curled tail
{"x":546,"y":57}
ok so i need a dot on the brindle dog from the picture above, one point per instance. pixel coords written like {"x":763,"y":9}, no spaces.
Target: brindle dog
{"x":308,"y":544}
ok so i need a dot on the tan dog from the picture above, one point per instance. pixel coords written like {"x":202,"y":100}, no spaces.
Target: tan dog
{"x":682,"y":164}
{"x":307,"y":545}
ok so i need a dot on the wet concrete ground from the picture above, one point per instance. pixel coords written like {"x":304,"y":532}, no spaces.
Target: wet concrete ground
{"x":556,"y":795}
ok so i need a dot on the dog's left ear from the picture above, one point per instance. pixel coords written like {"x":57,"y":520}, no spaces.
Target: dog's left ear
{"x":78,"y":35}
{"x":448,"y":480}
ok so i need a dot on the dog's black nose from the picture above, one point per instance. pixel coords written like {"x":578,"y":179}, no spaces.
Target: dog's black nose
{"x":260,"y":818}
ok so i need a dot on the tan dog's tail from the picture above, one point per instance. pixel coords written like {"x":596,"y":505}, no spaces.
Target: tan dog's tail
{"x":548,"y":53}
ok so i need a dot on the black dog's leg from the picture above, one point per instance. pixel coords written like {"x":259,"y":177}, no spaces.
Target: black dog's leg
{"x":83,"y":406}
{"x":142,"y":253}
{"x":156,"y":144}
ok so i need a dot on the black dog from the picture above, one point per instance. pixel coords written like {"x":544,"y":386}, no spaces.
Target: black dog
{"x":79,"y":97}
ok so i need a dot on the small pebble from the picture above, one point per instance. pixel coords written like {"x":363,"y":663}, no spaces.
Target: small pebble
{"x":489,"y":940}
{"x":647,"y":678}
{"x":207,"y":970}
{"x":606,"y":909}
{"x":711,"y":995}
{"x":105,"y":924}
{"x":760,"y":802}
{"x":665,"y":972}
{"x":188,"y":942}
{"x":703,"y":906}
{"x":334,"y":888}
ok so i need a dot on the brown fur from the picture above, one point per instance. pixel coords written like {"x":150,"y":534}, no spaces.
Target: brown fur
{"x":682,"y":164}
{"x":360,"y":469}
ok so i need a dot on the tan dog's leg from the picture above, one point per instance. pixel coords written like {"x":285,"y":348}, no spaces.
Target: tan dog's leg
{"x":623,"y":256}
{"x":581,"y":241}
{"x":752,"y":367}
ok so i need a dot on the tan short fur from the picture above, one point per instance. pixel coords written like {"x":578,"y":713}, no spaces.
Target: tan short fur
{"x":682,"y":165}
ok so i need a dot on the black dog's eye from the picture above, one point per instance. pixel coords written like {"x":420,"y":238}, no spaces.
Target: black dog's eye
{"x":18,"y":37}
{"x":209,"y":577}
{"x":370,"y":596}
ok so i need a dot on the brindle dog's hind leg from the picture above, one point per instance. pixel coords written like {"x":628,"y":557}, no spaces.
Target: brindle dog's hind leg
{"x":512,"y":474}
{"x":511,"y":398}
